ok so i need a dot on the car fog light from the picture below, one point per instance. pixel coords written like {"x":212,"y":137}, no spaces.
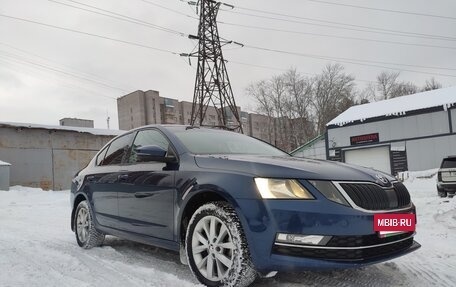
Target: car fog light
{"x":302,"y":239}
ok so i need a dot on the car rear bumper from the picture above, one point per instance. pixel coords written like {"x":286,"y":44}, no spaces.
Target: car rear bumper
{"x":353,"y":241}
{"x":446,"y":186}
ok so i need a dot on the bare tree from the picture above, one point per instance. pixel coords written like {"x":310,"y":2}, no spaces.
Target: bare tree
{"x":386,"y":83}
{"x":287,"y":102}
{"x":403,"y":89}
{"x":367,"y":95}
{"x":261,"y":92}
{"x":431,"y":84}
{"x":333,"y":93}
{"x":298,"y":107}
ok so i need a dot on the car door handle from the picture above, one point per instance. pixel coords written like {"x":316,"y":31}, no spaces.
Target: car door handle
{"x":144,"y":194}
{"x":123,"y":177}
{"x":90,"y":178}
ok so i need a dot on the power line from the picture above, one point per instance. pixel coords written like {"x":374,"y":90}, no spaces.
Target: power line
{"x":390,"y":31}
{"x":372,"y":30}
{"x":284,"y":70}
{"x":339,"y":23}
{"x":169,"y":9}
{"x":89,"y":34}
{"x":54,"y":62}
{"x":9,"y":55}
{"x":120,"y":17}
{"x":346,"y":59}
{"x":350,"y":61}
{"x":335,"y":36}
{"x":384,"y":10}
{"x":418,"y":35}
{"x":252,"y":47}
{"x":65,"y":84}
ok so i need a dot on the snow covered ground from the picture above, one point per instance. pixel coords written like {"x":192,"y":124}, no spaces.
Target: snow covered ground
{"x":37,"y":248}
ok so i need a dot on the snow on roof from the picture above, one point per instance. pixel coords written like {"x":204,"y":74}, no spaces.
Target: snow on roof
{"x":101,"y":132}
{"x":2,"y":163}
{"x":398,"y":106}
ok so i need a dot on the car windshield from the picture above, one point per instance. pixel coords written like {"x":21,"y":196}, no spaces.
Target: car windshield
{"x":449,"y":163}
{"x":223,"y":142}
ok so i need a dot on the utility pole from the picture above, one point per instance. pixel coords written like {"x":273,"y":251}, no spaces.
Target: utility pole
{"x":108,"y":118}
{"x":212,"y":84}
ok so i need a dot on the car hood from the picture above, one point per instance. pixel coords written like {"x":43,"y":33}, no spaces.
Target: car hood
{"x":290,"y":167}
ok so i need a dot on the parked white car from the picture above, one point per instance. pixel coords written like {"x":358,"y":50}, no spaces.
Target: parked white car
{"x":446,"y":180}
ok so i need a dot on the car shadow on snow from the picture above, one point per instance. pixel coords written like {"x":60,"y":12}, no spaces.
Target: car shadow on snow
{"x":150,"y":257}
{"x":385,"y":274}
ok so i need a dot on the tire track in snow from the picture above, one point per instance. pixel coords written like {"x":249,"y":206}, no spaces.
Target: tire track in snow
{"x":121,"y":270}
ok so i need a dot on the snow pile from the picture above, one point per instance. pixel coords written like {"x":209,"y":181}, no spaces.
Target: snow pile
{"x":412,"y":175}
{"x":37,"y":248}
{"x":445,"y":98}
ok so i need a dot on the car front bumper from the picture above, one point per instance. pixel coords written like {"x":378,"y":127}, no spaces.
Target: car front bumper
{"x":353,"y":241}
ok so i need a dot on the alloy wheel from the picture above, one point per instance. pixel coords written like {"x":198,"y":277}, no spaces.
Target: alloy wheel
{"x":83,"y":224}
{"x":212,"y":248}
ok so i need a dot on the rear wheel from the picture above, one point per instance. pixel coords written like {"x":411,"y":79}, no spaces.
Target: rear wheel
{"x":441,"y":192}
{"x":87,"y":235}
{"x":216,"y":247}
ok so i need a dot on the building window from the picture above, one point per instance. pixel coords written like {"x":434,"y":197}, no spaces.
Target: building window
{"x":169,"y":103}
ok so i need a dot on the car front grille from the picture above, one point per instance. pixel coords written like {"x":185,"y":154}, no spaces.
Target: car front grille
{"x":374,"y":197}
{"x":403,"y":196}
{"x":344,"y":254}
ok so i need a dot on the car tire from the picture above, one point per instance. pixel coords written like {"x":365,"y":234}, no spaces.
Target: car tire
{"x":216,"y":247}
{"x":87,"y":235}
{"x":441,"y":193}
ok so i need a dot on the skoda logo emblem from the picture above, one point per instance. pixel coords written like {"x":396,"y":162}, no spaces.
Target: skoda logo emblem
{"x":382,"y":179}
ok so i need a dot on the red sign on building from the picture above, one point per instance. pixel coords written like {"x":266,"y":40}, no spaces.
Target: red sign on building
{"x":370,"y":138}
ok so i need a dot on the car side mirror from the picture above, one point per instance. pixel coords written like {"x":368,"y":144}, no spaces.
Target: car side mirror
{"x":151,"y":153}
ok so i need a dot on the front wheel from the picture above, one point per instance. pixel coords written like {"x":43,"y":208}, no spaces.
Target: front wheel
{"x":87,"y":235}
{"x":216,"y":247}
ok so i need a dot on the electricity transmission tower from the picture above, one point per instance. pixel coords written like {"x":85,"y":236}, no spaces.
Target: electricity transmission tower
{"x":212,"y":84}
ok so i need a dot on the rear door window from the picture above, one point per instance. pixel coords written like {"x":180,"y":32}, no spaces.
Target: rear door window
{"x":117,"y":150}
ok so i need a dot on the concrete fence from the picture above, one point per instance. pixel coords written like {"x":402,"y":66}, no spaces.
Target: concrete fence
{"x":4,"y":175}
{"x":48,"y":157}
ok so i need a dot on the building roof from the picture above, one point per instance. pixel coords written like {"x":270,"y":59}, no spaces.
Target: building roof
{"x":101,"y":132}
{"x":2,"y":163}
{"x":308,"y":144}
{"x":445,"y":98}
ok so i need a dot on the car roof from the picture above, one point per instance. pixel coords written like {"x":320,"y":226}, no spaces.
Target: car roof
{"x":172,"y":127}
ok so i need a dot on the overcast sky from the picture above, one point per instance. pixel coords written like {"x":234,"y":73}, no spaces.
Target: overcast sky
{"x":38,"y":64}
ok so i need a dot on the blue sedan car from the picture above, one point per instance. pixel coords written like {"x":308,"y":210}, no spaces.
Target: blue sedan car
{"x":235,"y":207}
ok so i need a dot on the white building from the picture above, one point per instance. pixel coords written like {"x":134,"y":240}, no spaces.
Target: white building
{"x":407,"y":133}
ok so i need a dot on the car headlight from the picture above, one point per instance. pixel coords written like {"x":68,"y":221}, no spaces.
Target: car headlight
{"x":329,"y":191}
{"x":271,"y":188}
